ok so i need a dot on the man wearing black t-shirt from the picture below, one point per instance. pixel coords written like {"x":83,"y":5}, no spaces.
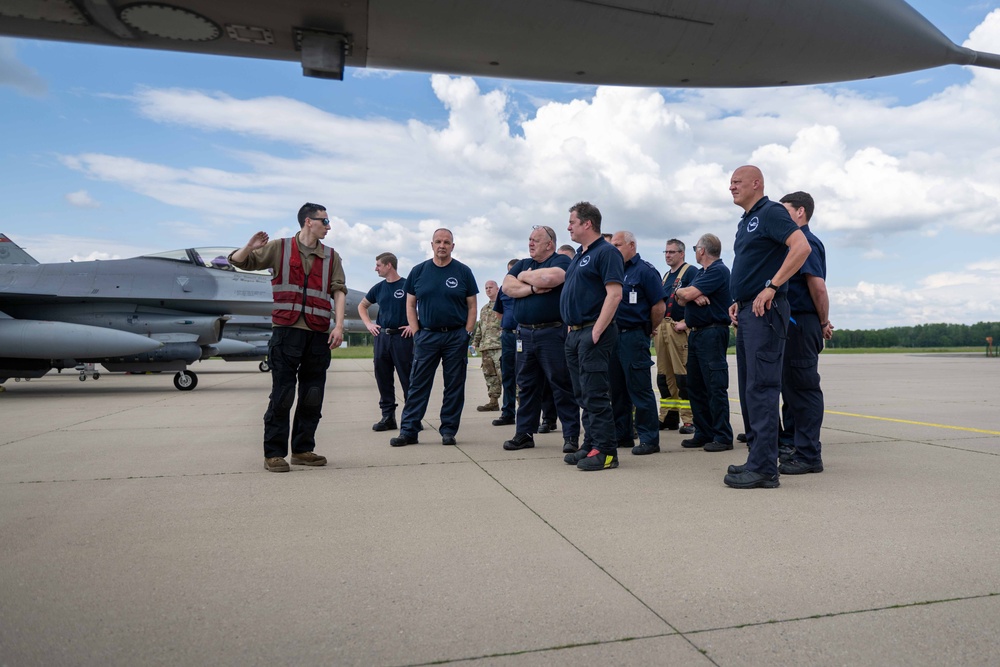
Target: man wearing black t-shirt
{"x":445,"y":291}
{"x":392,"y":335}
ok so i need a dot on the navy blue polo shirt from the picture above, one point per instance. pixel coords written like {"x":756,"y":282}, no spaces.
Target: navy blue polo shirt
{"x":591,"y":269}
{"x":760,"y":248}
{"x":643,"y":279}
{"x":539,"y":308}
{"x":505,"y":306}
{"x":713,"y":282}
{"x":441,"y":293}
{"x":799,"y":299}
{"x":675,"y":311}
{"x":391,"y":300}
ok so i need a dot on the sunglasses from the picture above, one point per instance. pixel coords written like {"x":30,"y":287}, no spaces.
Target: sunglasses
{"x":325,"y":221}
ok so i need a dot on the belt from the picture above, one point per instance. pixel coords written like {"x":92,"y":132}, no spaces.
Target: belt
{"x":644,"y":327}
{"x":709,"y":326}
{"x":577,"y":327}
{"x":543,"y":325}
{"x":443,"y":329}
{"x":743,"y":304}
{"x":508,"y":330}
{"x":392,"y":332}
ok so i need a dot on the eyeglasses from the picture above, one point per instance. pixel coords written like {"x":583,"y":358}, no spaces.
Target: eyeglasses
{"x":325,"y":221}
{"x":548,"y":230}
{"x":697,"y":248}
{"x":670,"y":252}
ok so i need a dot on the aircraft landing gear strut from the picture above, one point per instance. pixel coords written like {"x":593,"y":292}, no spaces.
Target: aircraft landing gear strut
{"x":264,"y":366}
{"x":185,"y":380}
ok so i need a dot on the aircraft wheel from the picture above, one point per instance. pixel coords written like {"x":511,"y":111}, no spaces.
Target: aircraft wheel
{"x":96,"y":376}
{"x":83,"y":377}
{"x":263,"y":366}
{"x":185,"y":380}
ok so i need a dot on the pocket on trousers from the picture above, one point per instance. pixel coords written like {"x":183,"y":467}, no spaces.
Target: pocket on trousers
{"x":768,"y":369}
{"x":719,"y":370}
{"x":640,"y":364}
{"x":804,"y":374}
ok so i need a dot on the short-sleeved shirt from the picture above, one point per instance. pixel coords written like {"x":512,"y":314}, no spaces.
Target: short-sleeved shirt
{"x":269,"y":257}
{"x":539,"y":308}
{"x":584,"y":292}
{"x":760,"y":248}
{"x":799,"y":299}
{"x":391,"y":300}
{"x":505,"y":306}
{"x":442,"y":293}
{"x":643,"y":279}
{"x":713,"y":282}
{"x":675,"y":311}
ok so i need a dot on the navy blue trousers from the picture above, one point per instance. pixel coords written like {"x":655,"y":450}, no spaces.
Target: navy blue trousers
{"x":632,"y":385}
{"x":588,"y":371}
{"x":302,"y":357}
{"x":431,"y":348}
{"x":760,"y":346}
{"x":508,"y":351}
{"x":541,"y":361}
{"x":392,"y":353}
{"x":708,"y":384}
{"x":800,"y":389}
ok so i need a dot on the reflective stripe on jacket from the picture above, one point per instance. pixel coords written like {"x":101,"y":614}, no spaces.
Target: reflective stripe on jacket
{"x":296,"y":294}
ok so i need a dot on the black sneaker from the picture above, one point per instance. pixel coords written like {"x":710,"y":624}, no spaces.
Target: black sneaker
{"x":388,"y":423}
{"x":645,"y":448}
{"x":736,"y":469}
{"x":546,"y":427}
{"x":687,"y":429}
{"x":576,"y":457}
{"x":598,"y":460}
{"x":519,"y":441}
{"x":785,"y":453}
{"x":716,"y":446}
{"x":799,"y":467}
{"x":742,"y":437}
{"x":570,"y":446}
{"x":751,"y":480}
{"x":503,"y":420}
{"x":692,"y":443}
{"x":403,"y":440}
{"x":448,"y":440}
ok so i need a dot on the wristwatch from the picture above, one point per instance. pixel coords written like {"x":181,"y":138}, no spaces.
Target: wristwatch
{"x":772,"y":285}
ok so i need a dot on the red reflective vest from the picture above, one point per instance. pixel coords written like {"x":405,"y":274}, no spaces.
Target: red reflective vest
{"x":297,"y":294}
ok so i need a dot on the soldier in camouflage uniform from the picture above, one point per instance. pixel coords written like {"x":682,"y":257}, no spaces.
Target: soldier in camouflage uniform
{"x":486,"y":339}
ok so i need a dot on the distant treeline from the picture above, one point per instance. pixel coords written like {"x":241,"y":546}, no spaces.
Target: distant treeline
{"x":921,"y":335}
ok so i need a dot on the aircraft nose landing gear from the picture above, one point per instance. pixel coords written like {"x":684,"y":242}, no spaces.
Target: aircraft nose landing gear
{"x":185,"y":380}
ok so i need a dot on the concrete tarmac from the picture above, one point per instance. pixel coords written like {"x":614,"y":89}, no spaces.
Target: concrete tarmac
{"x":139,"y":527}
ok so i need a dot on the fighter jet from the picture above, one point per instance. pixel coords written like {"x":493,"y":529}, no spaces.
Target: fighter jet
{"x":158,"y":312}
{"x":673,"y":43}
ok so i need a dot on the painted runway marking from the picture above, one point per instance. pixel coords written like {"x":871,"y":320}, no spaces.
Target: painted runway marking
{"x":907,"y":421}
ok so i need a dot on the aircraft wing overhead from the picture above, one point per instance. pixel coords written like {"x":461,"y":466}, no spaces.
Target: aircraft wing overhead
{"x":675,"y":43}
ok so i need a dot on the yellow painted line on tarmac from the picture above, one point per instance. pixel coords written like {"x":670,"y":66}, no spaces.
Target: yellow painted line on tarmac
{"x":907,"y":421}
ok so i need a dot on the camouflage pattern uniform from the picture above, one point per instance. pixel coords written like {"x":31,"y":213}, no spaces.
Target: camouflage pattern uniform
{"x":487,"y":340}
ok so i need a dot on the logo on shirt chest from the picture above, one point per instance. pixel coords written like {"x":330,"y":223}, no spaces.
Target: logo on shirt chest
{"x":451,"y":282}
{"x":585,"y":261}
{"x":399,"y":294}
{"x":752,"y":225}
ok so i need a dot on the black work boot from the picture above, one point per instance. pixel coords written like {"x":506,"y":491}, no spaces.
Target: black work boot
{"x":388,"y":423}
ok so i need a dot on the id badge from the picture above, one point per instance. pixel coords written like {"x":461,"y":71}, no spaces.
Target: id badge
{"x":520,"y":347}
{"x":633,"y":297}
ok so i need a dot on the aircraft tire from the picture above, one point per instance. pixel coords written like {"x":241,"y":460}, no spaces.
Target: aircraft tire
{"x":83,"y":377}
{"x":185,"y":380}
{"x":263,"y":366}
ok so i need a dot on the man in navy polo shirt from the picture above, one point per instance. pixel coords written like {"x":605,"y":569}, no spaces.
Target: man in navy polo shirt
{"x":536,"y":284}
{"x":393,"y":338}
{"x":588,"y":306}
{"x":706,"y":311}
{"x":445,"y":291}
{"x":770,"y":248}
{"x":802,"y":412}
{"x":639,"y":313}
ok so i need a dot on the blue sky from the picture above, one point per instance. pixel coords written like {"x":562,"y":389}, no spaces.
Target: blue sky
{"x":110,"y":152}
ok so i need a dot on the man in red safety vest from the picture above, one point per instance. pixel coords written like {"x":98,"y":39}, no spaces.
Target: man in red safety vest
{"x":306,"y":274}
